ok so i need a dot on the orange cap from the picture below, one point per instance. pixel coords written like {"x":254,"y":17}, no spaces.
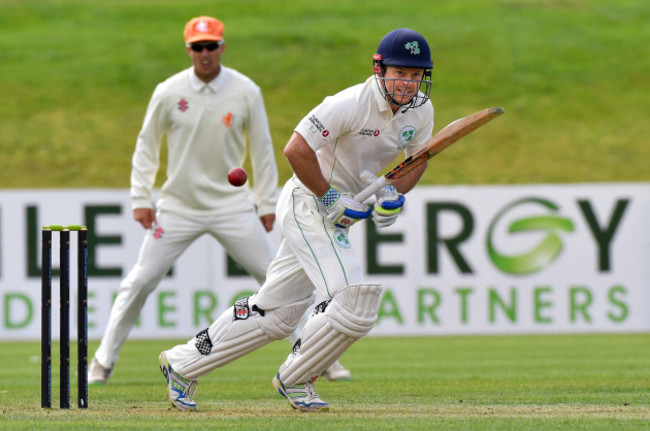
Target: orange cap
{"x":203,"y":28}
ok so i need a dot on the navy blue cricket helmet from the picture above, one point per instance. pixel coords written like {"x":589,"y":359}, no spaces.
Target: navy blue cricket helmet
{"x":404,"y":48}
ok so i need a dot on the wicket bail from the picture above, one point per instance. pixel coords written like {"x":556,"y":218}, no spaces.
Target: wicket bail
{"x":82,"y":315}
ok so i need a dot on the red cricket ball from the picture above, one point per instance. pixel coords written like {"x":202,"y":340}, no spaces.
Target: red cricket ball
{"x":237,"y":177}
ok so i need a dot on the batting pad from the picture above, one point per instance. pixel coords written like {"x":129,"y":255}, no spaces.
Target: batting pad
{"x":233,"y":337}
{"x":349,"y":316}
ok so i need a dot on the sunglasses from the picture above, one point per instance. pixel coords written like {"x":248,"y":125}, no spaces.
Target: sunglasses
{"x":198,"y":47}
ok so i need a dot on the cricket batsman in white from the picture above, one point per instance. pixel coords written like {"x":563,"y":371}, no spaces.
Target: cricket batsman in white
{"x":362,"y":128}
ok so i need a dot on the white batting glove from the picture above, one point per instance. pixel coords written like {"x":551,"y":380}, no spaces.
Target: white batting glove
{"x":389,"y":205}
{"x":342,"y":210}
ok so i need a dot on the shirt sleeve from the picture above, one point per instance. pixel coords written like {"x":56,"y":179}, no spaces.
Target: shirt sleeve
{"x":146,"y":157}
{"x":328,"y":121}
{"x":265,"y":170}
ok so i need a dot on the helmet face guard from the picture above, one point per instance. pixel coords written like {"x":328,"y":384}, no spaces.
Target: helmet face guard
{"x":403,"y":48}
{"x":419,"y":99}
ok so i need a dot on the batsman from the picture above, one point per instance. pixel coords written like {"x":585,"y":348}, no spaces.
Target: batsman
{"x":362,"y":128}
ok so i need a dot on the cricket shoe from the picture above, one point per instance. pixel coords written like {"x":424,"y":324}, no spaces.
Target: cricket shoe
{"x":180,"y":390}
{"x":301,"y":397}
{"x":337,"y":372}
{"x":98,"y":375}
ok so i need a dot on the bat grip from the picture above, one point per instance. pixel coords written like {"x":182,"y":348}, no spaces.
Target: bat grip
{"x":373,"y":188}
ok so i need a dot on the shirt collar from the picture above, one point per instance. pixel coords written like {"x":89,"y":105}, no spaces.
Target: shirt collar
{"x":209,"y":87}
{"x":382,"y":103}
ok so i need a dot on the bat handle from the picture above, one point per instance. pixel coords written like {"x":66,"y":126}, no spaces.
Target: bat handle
{"x":371,"y":189}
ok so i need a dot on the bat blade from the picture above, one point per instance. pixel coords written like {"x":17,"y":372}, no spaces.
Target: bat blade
{"x":436,"y":144}
{"x":443,"y":139}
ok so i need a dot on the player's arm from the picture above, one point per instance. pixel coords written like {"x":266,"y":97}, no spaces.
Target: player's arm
{"x":146,"y":160}
{"x":262,"y":157}
{"x":342,"y":211}
{"x":437,"y":143}
{"x":304,"y":163}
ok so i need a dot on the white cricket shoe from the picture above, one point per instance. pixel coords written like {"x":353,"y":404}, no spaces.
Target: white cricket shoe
{"x":180,"y":390}
{"x":98,"y":375}
{"x":337,"y":372}
{"x":301,"y":397}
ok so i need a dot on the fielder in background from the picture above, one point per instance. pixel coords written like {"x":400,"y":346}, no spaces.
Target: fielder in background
{"x":362,"y":128}
{"x":206,"y":112}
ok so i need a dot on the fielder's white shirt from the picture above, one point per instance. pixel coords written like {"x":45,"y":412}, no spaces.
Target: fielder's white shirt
{"x":206,"y":125}
{"x":355,"y":130}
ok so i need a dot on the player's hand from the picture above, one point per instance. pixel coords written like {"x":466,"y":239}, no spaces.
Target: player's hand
{"x":267,"y":221}
{"x":389,"y":205}
{"x":342,"y":210}
{"x":145,"y":216}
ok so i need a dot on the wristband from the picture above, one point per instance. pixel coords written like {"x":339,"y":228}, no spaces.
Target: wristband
{"x":330,"y":197}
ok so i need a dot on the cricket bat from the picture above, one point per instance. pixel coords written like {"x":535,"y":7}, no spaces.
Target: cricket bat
{"x":438,"y":142}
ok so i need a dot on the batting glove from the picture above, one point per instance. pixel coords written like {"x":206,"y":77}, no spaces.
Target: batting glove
{"x":389,"y":205}
{"x":342,"y":210}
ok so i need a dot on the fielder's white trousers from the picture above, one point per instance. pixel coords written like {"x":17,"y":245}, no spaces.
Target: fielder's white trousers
{"x":241,"y":235}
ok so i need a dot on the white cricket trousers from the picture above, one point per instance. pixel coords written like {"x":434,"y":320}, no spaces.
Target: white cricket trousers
{"x":242,"y":235}
{"x":313,"y":255}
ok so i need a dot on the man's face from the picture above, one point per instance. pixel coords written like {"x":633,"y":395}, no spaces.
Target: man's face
{"x":402,"y":83}
{"x":206,"y":58}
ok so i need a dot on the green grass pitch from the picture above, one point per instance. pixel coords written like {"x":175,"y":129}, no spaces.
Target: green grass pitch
{"x":542,"y":382}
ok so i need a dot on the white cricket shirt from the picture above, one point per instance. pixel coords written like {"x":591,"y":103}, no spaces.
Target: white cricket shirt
{"x":355,"y":130}
{"x":206,"y":127}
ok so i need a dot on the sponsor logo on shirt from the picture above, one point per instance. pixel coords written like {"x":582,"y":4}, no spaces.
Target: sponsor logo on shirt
{"x":316,"y":125}
{"x":405,"y":136}
{"x":369,"y":132}
{"x":183,"y":105}
{"x":158,"y":232}
{"x":341,"y":239}
{"x":227,"y":120}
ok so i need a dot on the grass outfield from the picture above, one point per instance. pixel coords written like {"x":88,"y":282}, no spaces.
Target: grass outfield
{"x":576,"y":382}
{"x":76,"y":77}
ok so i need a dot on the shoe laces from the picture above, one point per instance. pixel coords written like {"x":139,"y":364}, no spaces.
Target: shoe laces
{"x":185,"y":386}
{"x":310,"y":390}
{"x":191,"y":389}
